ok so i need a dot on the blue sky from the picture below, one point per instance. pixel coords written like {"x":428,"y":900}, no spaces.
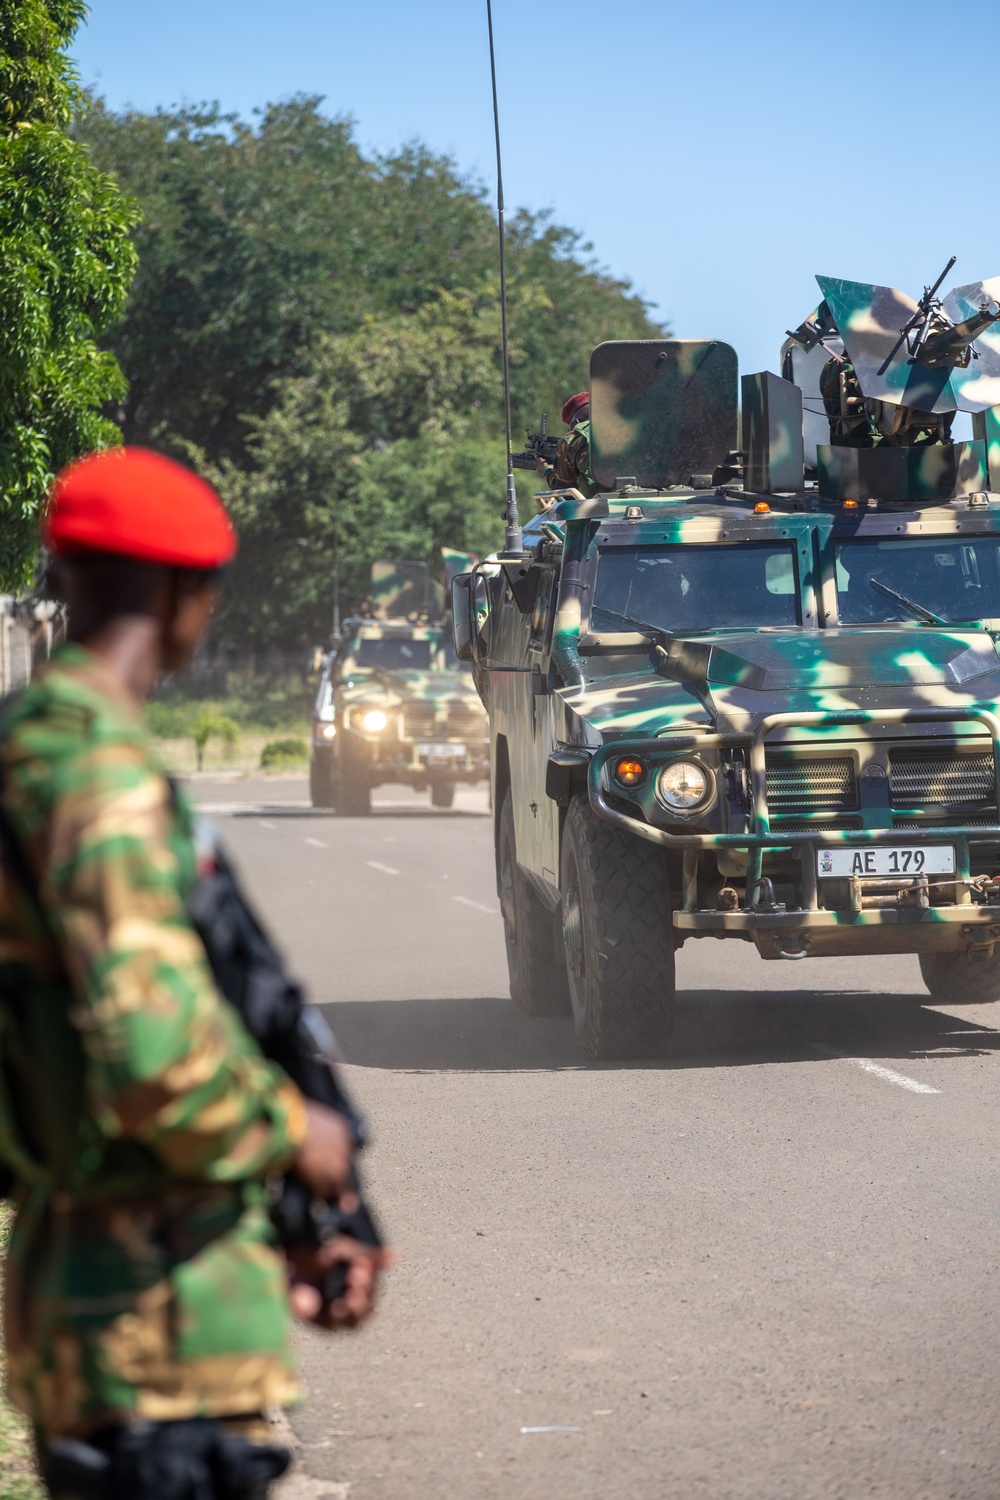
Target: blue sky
{"x":716,"y":153}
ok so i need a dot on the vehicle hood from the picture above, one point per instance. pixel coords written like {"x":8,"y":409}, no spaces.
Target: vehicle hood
{"x":731,"y":681}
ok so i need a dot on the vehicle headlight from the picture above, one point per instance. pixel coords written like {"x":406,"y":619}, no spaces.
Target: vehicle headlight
{"x":374,"y":721}
{"x":324,"y":731}
{"x":683,"y":785}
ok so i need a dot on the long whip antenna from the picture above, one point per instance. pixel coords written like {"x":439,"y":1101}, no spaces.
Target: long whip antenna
{"x":513,"y":541}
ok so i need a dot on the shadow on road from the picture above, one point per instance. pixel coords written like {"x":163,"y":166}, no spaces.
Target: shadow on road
{"x":713,"y":1029}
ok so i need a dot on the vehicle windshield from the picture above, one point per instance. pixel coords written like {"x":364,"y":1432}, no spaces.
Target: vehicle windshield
{"x":953,"y":578}
{"x":393,"y":653}
{"x":683,"y":588}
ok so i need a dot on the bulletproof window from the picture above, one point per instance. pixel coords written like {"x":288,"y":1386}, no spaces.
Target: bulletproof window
{"x":696,"y":588}
{"x":955,"y":578}
{"x":394,"y":654}
{"x":543,"y":600}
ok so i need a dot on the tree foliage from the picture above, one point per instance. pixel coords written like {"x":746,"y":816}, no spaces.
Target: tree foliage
{"x":66,"y":260}
{"x":319,"y":330}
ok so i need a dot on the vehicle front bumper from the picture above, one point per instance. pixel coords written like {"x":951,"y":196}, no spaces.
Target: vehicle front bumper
{"x":387,"y":758}
{"x":812,"y":929}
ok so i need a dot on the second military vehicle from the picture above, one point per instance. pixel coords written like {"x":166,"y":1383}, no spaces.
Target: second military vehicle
{"x":754,"y":695}
{"x":394,"y":704}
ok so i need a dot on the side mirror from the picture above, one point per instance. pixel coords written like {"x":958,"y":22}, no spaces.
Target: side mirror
{"x":464,"y":621}
{"x":473,"y":597}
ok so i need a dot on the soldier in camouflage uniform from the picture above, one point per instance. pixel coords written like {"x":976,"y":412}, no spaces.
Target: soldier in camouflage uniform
{"x":571,"y":469}
{"x":147,"y":1305}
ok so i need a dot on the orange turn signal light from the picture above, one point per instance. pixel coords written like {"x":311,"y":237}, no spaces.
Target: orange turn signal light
{"x":761,"y":508}
{"x":850,"y":505}
{"x":629,"y":771}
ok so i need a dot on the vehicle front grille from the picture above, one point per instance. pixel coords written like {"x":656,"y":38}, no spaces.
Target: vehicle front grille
{"x":950,"y":777}
{"x":962,"y":820}
{"x":821,"y":821}
{"x":418,"y":721}
{"x":465,"y":721}
{"x":808,"y":791}
{"x":447,"y":721}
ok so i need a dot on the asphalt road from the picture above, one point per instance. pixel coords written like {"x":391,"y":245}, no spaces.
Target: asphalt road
{"x":765,"y":1269}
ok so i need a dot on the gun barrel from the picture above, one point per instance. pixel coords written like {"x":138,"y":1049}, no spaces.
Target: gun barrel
{"x":932,"y":291}
{"x":950,"y":344}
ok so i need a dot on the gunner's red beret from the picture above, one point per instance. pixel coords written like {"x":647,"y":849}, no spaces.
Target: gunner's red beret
{"x":573,"y":405}
{"x":138,"y":504}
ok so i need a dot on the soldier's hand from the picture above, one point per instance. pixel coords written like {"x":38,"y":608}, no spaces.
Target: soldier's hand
{"x":540,"y":464}
{"x":308,"y":1268}
{"x":324,"y":1157}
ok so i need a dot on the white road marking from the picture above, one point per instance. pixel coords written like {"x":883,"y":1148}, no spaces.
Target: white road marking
{"x":550,"y":1429}
{"x":386,"y":869}
{"x":316,"y":843}
{"x":265,"y":824}
{"x":491,"y":911}
{"x":888,"y":1075}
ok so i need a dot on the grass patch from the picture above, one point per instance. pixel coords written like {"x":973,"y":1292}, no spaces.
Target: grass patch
{"x":18,"y":1479}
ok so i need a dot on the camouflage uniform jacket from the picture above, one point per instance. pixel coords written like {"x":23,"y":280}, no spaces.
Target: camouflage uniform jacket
{"x":571,"y":469}
{"x":138,"y":1115}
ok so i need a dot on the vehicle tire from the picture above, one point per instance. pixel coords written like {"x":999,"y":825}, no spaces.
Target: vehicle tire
{"x":352,"y":793}
{"x":320,"y":784}
{"x":618,"y":937}
{"x":537,"y":971}
{"x":442,"y":793}
{"x":352,"y":798}
{"x":961,"y":978}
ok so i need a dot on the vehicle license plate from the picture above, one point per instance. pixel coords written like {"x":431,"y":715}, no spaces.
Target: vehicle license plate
{"x":931,"y":859}
{"x":442,"y":752}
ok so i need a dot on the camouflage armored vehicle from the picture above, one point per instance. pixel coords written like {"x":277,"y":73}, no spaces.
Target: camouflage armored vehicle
{"x":394,"y":703}
{"x":755,"y":695}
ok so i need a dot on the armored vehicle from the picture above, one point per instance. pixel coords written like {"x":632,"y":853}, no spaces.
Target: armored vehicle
{"x":394,"y":704}
{"x":754,"y":694}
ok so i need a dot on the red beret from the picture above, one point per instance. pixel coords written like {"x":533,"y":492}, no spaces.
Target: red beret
{"x":138,"y":504}
{"x":573,"y":405}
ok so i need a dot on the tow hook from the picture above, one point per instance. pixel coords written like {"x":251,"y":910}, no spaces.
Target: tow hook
{"x":800,"y":952}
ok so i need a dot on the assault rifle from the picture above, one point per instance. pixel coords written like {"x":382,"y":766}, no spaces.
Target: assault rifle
{"x":251,"y":975}
{"x":540,"y":445}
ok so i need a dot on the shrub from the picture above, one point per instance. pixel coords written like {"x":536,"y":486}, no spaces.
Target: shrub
{"x":280,"y":755}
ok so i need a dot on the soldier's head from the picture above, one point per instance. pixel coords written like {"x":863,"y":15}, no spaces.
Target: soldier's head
{"x":138,"y":543}
{"x":577,"y":408}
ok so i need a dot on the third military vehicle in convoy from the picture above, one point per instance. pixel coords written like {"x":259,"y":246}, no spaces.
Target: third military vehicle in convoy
{"x":753,"y":693}
{"x":394,"y":704}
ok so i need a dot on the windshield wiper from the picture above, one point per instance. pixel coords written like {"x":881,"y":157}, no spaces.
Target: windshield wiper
{"x":654,"y":630}
{"x":921,"y":613}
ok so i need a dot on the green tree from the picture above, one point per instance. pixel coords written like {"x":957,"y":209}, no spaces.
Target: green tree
{"x":387,"y":448}
{"x":319,"y":331}
{"x":261,"y":240}
{"x":66,"y":261}
{"x":252,"y":244}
